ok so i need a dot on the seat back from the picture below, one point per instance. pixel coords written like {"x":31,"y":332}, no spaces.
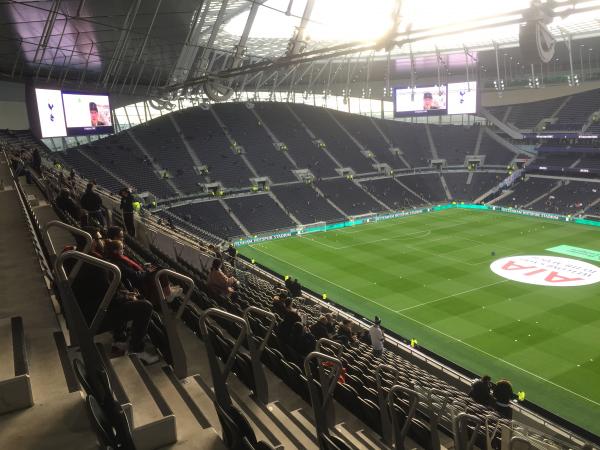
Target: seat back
{"x":112,"y":429}
{"x":235,"y":426}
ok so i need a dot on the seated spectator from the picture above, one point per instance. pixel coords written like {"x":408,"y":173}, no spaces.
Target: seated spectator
{"x":133,"y":274}
{"x":319,"y":329}
{"x":481,"y":391}
{"x":302,"y":341}
{"x":65,"y":203}
{"x":503,"y":394}
{"x":218,"y":282}
{"x":115,"y":233}
{"x":89,"y":287}
{"x":331,"y":324}
{"x":345,"y":335}
{"x":279,"y":304}
{"x":290,"y":316}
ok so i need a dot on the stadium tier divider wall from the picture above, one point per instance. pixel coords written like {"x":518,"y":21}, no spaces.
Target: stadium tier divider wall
{"x":373,"y":218}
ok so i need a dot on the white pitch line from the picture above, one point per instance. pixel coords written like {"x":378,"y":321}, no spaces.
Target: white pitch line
{"x":450,"y":296}
{"x":438,"y":331}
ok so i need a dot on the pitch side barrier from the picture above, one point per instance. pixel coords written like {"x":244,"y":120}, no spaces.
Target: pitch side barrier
{"x":374,"y":218}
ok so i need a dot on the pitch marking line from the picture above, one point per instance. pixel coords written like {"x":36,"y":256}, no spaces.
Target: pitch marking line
{"x":450,"y":296}
{"x":437,"y":331}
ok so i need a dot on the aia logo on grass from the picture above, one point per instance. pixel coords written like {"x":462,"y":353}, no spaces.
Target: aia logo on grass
{"x":546,"y":270}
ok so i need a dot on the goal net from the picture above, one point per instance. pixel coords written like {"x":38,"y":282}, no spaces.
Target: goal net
{"x":311,"y":227}
{"x":363,"y":218}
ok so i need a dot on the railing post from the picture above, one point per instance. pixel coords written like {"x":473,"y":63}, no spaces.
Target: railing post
{"x":170,"y":319}
{"x":256,"y":345}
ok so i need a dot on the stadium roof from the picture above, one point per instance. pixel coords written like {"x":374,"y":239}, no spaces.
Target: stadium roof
{"x":125,"y":45}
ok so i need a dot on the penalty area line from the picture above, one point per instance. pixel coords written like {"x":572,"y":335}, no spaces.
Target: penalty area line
{"x":539,"y":377}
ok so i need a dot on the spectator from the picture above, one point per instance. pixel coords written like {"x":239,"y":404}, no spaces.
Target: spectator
{"x":127,"y":305}
{"x":92,"y":203}
{"x":127,"y":208}
{"x":115,"y":233}
{"x":218,"y":282}
{"x":279,"y":304}
{"x":331,"y":324}
{"x":36,"y":160}
{"x":345,"y":335}
{"x":319,"y":329}
{"x":503,"y":394}
{"x":97,"y":249}
{"x":301,"y":340}
{"x":65,"y":203}
{"x":481,"y":391}
{"x":377,"y":338}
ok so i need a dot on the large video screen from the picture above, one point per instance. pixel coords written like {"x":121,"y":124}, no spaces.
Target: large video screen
{"x":452,"y":98}
{"x":87,"y":113}
{"x":429,"y":100}
{"x":63,"y":113}
{"x":50,"y":112}
{"x":462,"y":98}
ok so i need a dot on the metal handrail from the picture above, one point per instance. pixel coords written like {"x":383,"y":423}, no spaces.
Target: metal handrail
{"x":52,"y":251}
{"x":169,"y":320}
{"x":323,"y":343}
{"x":110,"y":292}
{"x":219,"y":375}
{"x":256,"y":345}
{"x":387,"y":430}
{"x":322,"y":403}
{"x":187,"y":281}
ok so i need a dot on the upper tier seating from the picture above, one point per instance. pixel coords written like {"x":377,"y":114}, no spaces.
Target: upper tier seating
{"x":349,"y":196}
{"x":555,"y":159}
{"x":454,"y":142}
{"x":411,"y":139}
{"x":121,"y":155}
{"x":498,"y":111}
{"x":577,"y":110}
{"x":526,"y":116}
{"x":481,"y":182}
{"x":429,"y":186}
{"x":495,"y":154}
{"x":161,"y":140}
{"x":211,"y":216}
{"x":288,"y":130}
{"x":526,"y":191}
{"x":305,"y":203}
{"x":91,"y":170}
{"x":569,"y":198}
{"x":250,"y":134}
{"x":364,"y":131}
{"x":207,"y":140}
{"x":392,"y":193}
{"x":259,"y":213}
{"x":336,"y":140}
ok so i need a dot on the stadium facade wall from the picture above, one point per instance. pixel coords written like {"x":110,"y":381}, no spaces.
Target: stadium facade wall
{"x":13,"y":111}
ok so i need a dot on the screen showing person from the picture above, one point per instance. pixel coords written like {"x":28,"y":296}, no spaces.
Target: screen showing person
{"x":97,"y":120}
{"x":85,"y":112}
{"x":428,"y":102}
{"x":420,"y":100}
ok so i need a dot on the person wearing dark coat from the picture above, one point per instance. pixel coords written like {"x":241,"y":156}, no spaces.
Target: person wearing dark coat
{"x":503,"y":394}
{"x":92,"y":203}
{"x":319,"y":328}
{"x":481,"y":391}
{"x":66,"y":204}
{"x":127,"y":208}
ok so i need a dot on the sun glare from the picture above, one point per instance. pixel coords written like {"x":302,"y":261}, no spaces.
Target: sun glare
{"x":360,"y":20}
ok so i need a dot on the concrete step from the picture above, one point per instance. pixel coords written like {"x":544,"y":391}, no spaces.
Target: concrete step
{"x":153,"y":421}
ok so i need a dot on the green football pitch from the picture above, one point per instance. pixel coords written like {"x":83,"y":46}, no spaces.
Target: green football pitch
{"x":428,"y":277}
